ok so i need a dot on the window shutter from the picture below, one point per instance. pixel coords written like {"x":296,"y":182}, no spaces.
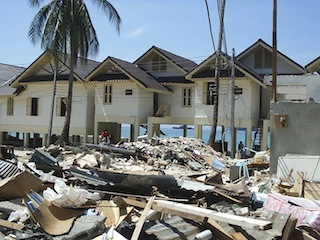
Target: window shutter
{"x":58,"y":106}
{"x":28,"y":106}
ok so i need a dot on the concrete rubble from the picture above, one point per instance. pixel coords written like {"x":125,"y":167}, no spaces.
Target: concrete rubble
{"x":164,"y":188}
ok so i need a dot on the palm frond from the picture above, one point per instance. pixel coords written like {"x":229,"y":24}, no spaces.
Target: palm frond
{"x":106,"y":7}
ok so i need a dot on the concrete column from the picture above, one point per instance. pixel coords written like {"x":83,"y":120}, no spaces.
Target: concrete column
{"x":84,"y":138}
{"x":248,"y":136}
{"x":198,"y":131}
{"x":26,"y":138}
{"x":150,"y":129}
{"x":95,"y":133}
{"x":136,"y":130}
{"x":1,"y":137}
{"x":131,"y":133}
{"x":264,"y":140}
{"x":45,"y":139}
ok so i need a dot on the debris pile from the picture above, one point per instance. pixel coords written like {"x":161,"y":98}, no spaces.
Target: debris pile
{"x":171,"y":188}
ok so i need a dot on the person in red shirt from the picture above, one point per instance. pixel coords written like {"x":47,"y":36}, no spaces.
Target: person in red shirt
{"x":105,"y":137}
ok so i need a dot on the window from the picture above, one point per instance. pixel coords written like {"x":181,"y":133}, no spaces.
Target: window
{"x":108,"y":94}
{"x":159,"y":64}
{"x":129,"y":92}
{"x":10,"y":106}
{"x":61,"y":106}
{"x":186,"y":97}
{"x":210,"y":91}
{"x":32,"y":106}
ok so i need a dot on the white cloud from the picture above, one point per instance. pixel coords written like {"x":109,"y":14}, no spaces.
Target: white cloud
{"x":136,"y":32}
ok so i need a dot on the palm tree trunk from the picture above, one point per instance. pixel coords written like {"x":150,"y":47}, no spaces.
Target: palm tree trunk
{"x":64,"y":137}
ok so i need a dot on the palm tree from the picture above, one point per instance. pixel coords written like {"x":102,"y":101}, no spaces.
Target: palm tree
{"x":64,"y":27}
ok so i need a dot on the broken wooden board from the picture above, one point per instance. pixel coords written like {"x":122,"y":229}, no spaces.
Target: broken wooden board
{"x":219,"y":231}
{"x":114,"y":214}
{"x":238,"y":236}
{"x":199,"y":214}
{"x":210,"y":214}
{"x":12,"y":225}
{"x":139,"y":224}
{"x":312,"y":190}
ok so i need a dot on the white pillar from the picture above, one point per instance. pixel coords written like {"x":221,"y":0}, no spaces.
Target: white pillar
{"x":26,"y":137}
{"x":45,"y":139}
{"x":150,"y":129}
{"x":198,"y":131}
{"x":136,"y":129}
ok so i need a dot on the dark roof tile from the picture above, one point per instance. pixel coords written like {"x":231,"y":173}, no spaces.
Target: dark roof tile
{"x":7,"y":74}
{"x":182,"y":62}
{"x":145,"y":79}
{"x":173,"y":80}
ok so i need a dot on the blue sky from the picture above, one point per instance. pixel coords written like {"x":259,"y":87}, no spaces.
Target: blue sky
{"x":179,"y":26}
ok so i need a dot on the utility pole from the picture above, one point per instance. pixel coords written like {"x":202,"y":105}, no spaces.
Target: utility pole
{"x":213,"y":131}
{"x":274,"y":53}
{"x":232,"y":129}
{"x":52,"y":103}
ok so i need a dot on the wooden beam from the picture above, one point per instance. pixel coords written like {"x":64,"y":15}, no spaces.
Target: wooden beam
{"x":238,"y":236}
{"x":219,"y":231}
{"x":210,"y":214}
{"x":199,"y":214}
{"x":142,"y":219}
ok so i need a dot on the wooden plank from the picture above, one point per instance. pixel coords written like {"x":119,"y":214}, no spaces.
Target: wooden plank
{"x":289,"y":228}
{"x":219,"y":231}
{"x":199,"y":214}
{"x":297,"y":189}
{"x":186,"y":215}
{"x":312,"y":190}
{"x":210,"y":214}
{"x":11,"y":225}
{"x":238,"y":236}
{"x":139,"y":224}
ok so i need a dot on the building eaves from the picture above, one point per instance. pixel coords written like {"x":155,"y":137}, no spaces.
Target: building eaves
{"x":266,"y":45}
{"x":46,"y":78}
{"x":111,"y":77}
{"x":314,"y":66}
{"x":184,"y":63}
{"x":172,"y":80}
{"x":137,"y":73}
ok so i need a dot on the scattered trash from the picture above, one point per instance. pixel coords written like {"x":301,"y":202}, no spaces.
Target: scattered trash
{"x":162,"y":188}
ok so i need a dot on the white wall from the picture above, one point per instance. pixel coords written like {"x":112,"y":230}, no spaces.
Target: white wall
{"x":140,"y":103}
{"x":21,"y":122}
{"x":246,"y":104}
{"x":308,"y":85}
{"x":175,"y":102}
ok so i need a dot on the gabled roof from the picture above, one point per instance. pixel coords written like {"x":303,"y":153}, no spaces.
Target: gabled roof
{"x":127,"y":71}
{"x":261,"y":43}
{"x":314,"y":66}
{"x":206,"y":69}
{"x":183,"y":63}
{"x":7,"y":74}
{"x":30,"y":74}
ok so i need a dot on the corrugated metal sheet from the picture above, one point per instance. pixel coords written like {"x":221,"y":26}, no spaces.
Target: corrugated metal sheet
{"x":173,"y":228}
